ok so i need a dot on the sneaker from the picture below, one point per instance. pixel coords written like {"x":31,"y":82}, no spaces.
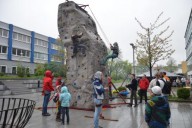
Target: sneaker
{"x":129,"y":105}
{"x":46,"y":114}
{"x":100,"y":127}
{"x":136,"y":105}
{"x":58,"y":120}
{"x":67,"y":123}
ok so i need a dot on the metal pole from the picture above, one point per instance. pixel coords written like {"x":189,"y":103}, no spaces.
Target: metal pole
{"x":134,"y":59}
{"x":133,"y":46}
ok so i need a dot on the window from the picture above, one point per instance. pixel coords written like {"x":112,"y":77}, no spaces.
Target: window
{"x":14,"y":51}
{"x":15,"y":36}
{"x":56,"y":58}
{"x":40,"y":43}
{"x":1,"y":31}
{"x":19,"y":52}
{"x":56,"y":47}
{"x":19,"y":37}
{"x":24,"y":38}
{"x":41,"y":56}
{"x":14,"y":70}
{"x":4,"y":49}
{"x":5,"y":33}
{"x":28,"y":39}
{"x":3,"y":69}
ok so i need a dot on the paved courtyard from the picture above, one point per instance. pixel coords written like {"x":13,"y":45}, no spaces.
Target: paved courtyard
{"x":127,"y":117}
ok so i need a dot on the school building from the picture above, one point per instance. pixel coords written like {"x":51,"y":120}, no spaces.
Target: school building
{"x":19,"y":46}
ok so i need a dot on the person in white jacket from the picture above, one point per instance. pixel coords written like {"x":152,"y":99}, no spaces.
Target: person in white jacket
{"x":155,"y":83}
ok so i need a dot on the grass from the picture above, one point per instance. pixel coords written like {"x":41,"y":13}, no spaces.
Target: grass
{"x":117,"y":81}
{"x":11,"y":77}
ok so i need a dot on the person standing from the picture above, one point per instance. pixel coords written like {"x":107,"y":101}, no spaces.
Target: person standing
{"x":165,"y":77}
{"x":133,"y":88}
{"x":183,"y":80}
{"x":143,"y":84}
{"x":98,"y":96}
{"x":110,"y":84}
{"x":157,"y":110}
{"x":47,"y":88}
{"x":65,"y":98}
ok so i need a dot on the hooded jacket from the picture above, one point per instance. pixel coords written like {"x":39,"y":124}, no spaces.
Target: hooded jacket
{"x":47,"y":82}
{"x":97,"y":86}
{"x":65,"y":97}
{"x":58,"y":82}
{"x":157,"y":112}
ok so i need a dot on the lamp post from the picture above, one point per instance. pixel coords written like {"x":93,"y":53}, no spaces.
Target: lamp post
{"x":133,"y":46}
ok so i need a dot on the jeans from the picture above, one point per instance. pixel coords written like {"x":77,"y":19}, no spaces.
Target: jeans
{"x":96,"y":116}
{"x":45,"y":103}
{"x":143,"y":93}
{"x":133,"y":94}
{"x":65,"y":110}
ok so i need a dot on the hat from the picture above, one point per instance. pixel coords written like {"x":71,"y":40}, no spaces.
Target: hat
{"x":156,"y":90}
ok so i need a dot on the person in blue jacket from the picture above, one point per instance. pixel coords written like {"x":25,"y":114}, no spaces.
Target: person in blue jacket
{"x":98,"y":96}
{"x":65,"y":98}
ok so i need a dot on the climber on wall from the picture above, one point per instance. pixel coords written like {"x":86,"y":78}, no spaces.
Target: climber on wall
{"x":115,"y":49}
{"x":75,"y":39}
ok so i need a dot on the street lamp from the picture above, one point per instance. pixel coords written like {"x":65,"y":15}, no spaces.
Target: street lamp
{"x":133,"y":46}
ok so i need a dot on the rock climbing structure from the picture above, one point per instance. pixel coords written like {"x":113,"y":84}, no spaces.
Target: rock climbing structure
{"x":74,"y":21}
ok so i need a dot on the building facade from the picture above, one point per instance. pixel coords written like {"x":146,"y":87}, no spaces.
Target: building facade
{"x":19,"y":46}
{"x":188,"y":45}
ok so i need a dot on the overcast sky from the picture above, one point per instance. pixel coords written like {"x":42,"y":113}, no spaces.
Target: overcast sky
{"x":117,"y":18}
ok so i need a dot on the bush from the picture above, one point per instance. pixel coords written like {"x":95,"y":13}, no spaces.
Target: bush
{"x":2,"y":74}
{"x":27,"y":72}
{"x":183,"y":93}
{"x":121,"y":88}
{"x":20,"y":71}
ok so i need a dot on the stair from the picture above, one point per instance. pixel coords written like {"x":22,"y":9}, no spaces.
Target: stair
{"x":17,"y":87}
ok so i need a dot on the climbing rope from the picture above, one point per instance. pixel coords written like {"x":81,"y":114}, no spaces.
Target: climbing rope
{"x":105,"y":36}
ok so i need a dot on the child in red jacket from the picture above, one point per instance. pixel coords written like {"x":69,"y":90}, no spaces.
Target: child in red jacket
{"x":47,"y":88}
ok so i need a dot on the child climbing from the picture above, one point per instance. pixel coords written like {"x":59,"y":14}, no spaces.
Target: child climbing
{"x":115,"y":49}
{"x":75,"y":40}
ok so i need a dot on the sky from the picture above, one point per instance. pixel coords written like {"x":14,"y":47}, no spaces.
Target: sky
{"x":117,"y":19}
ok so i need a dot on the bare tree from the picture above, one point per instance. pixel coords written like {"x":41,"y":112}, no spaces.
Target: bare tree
{"x":153,"y":46}
{"x":171,"y":65}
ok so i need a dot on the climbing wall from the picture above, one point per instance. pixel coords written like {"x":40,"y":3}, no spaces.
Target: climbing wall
{"x":72,"y":20}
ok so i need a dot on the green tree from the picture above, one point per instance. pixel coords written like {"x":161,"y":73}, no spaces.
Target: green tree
{"x":20,"y":71}
{"x":27,"y":72}
{"x":119,"y":69}
{"x":153,"y":44}
{"x":39,"y":70}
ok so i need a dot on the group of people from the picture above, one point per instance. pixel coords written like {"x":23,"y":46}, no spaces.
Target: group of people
{"x":62,"y":97}
{"x":157,"y":110}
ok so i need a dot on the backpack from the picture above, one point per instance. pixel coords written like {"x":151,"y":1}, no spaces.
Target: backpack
{"x":55,"y":98}
{"x":167,"y":86}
